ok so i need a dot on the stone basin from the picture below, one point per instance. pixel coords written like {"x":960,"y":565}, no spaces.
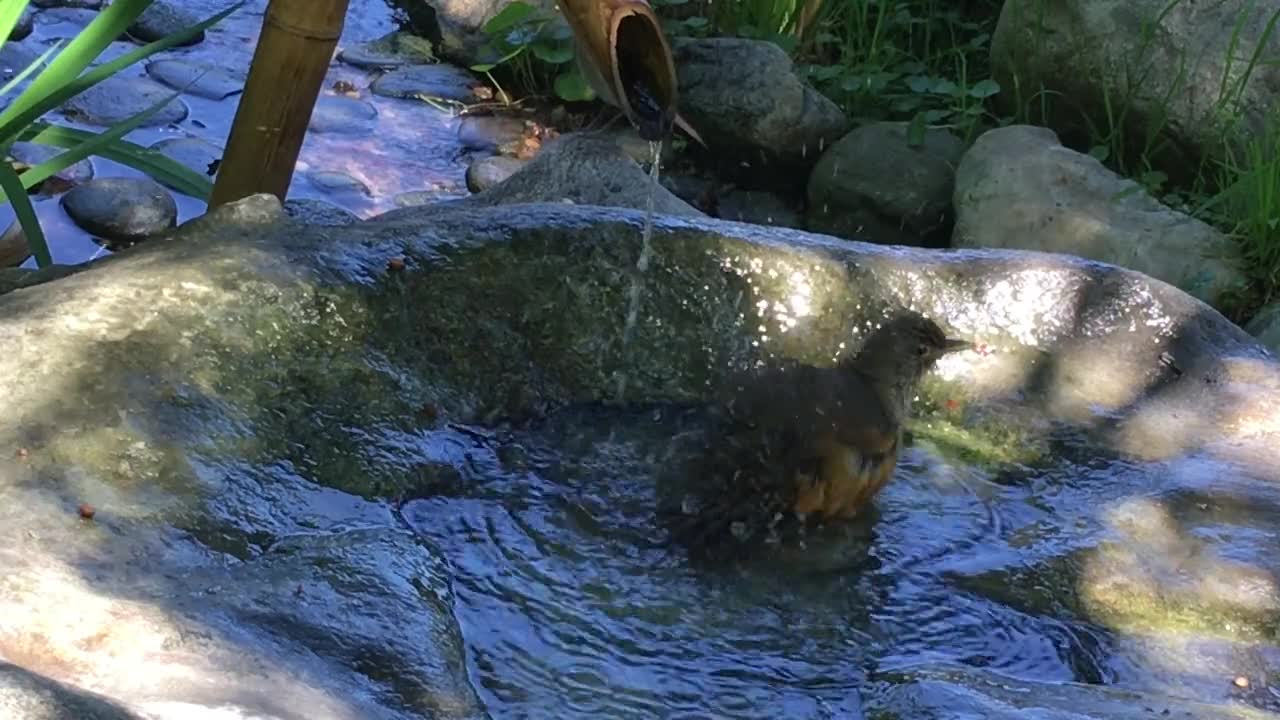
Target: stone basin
{"x":406,"y":467}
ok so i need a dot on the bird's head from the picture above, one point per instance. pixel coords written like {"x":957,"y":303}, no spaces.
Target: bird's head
{"x":905,"y":347}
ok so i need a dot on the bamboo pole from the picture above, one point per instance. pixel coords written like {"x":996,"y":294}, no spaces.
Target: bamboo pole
{"x":289,"y":64}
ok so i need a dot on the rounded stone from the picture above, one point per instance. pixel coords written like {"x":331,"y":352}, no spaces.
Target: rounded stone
{"x":161,"y":19}
{"x":195,"y":78}
{"x":338,"y":182}
{"x":443,"y":82}
{"x":31,"y":153}
{"x":389,"y":52}
{"x":14,"y":58}
{"x":77,"y":16}
{"x":117,"y":99}
{"x":90,"y":4}
{"x":121,"y":211}
{"x":339,"y":115}
{"x":489,"y":132}
{"x":416,"y":198}
{"x":192,"y":152}
{"x":487,"y":172}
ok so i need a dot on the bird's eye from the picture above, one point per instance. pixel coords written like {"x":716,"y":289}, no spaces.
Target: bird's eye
{"x":922,"y":349}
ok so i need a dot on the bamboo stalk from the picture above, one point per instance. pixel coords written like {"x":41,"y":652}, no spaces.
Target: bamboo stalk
{"x":289,"y":64}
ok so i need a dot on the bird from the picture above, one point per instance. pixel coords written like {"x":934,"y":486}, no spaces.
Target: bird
{"x":798,"y":444}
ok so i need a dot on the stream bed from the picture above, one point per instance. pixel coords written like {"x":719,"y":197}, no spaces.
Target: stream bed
{"x":408,"y":146}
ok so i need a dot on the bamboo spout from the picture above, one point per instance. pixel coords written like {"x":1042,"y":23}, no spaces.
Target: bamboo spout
{"x":627,"y":61}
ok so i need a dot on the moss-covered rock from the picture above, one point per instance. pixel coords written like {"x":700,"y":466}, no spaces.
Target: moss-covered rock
{"x":239,"y":405}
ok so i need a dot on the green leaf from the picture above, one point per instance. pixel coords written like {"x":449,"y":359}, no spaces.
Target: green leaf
{"x":39,"y":173}
{"x":553,"y":54}
{"x":509,"y":17}
{"x":10,"y":14}
{"x":572,"y":87}
{"x":984,"y":89}
{"x":26,"y":214}
{"x":919,"y":83}
{"x":149,"y":162}
{"x":943,"y":86}
{"x":58,"y":82}
{"x":1100,"y":153}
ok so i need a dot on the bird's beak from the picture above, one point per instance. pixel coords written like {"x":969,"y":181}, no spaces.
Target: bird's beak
{"x":951,"y":345}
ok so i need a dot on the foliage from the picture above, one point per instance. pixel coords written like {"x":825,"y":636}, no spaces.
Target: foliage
{"x":924,"y":61}
{"x":537,"y":46}
{"x":59,"y":81}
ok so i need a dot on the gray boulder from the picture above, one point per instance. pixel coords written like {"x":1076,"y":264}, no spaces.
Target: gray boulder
{"x":1163,"y":65}
{"x":1018,"y":187}
{"x":745,"y":98}
{"x":874,"y":185}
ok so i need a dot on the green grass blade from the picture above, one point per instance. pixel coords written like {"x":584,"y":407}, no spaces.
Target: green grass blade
{"x":39,"y":173}
{"x":38,"y":106}
{"x":145,"y":160}
{"x":26,"y":213}
{"x":10,"y":13}
{"x":108,"y":25}
{"x":30,"y":68}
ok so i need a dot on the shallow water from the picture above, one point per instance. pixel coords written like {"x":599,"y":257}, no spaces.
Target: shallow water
{"x":573,"y":608}
{"x":411,"y":146}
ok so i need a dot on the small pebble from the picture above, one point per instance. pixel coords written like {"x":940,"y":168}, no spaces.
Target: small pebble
{"x":395,"y":264}
{"x":87,"y":511}
{"x":1241,"y":681}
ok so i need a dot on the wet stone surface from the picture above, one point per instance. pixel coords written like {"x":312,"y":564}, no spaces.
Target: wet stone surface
{"x":163,"y":18}
{"x":119,"y":98}
{"x":384,"y":469}
{"x":35,"y":153}
{"x":342,"y":116}
{"x":443,"y":82}
{"x":198,"y":79}
{"x":192,"y":152}
{"x":121,"y":211}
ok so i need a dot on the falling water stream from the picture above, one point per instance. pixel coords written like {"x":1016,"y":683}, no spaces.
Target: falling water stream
{"x":642,"y":265}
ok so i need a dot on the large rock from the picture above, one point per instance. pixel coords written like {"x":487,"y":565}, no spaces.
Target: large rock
{"x":1018,"y":187}
{"x":25,"y":694}
{"x":874,"y":185}
{"x":1181,"y":68}
{"x":246,"y":404}
{"x":745,"y":98}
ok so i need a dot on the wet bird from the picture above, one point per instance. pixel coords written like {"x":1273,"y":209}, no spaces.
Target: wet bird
{"x":797,"y":444}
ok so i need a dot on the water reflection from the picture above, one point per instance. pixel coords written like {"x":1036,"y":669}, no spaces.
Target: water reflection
{"x":573,"y":607}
